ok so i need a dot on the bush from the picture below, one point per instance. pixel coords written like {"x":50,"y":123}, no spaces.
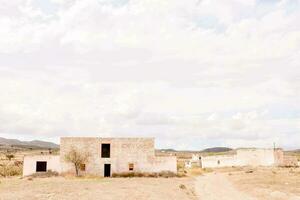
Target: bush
{"x":8,"y":168}
{"x":47,"y":174}
{"x":77,"y":158}
{"x":124,"y":175}
{"x":181,"y":186}
{"x":164,"y":174}
{"x":167,"y":174}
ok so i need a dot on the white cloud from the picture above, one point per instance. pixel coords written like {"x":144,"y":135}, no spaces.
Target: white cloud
{"x":206,"y":69}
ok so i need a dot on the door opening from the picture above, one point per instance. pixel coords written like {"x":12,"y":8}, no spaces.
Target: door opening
{"x":106,"y":170}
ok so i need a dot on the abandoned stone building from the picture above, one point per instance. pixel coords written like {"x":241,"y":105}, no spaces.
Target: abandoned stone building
{"x":244,"y":157}
{"x":106,"y":156}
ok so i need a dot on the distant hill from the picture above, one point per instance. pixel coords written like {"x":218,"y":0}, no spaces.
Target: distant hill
{"x":167,"y":150}
{"x":208,"y":150}
{"x":28,"y":144}
{"x":216,"y":150}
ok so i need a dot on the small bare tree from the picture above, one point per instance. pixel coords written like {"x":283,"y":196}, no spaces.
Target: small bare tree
{"x":77,"y":158}
{"x":10,"y":156}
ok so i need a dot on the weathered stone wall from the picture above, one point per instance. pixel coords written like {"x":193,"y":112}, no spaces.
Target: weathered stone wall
{"x":244,"y":157}
{"x":218,"y":161}
{"x":162,"y":163}
{"x":123,"y":151}
{"x":83,"y":145}
{"x":290,"y":161}
{"x":278,"y":157}
{"x":139,"y":151}
{"x":29,"y":163}
{"x":255,"y":157}
{"x":285,"y":160}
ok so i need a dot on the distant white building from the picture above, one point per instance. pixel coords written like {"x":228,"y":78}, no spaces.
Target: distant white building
{"x":242,"y":157}
{"x":194,"y":162}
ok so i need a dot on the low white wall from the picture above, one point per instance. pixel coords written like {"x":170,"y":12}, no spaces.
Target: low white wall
{"x":162,"y":163}
{"x":29,"y":163}
{"x":243,"y":157}
{"x":256,"y":157}
{"x":218,"y":161}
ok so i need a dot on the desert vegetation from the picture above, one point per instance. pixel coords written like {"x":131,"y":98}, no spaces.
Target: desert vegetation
{"x":268,"y":183}
{"x":77,"y":158}
{"x":259,"y":182}
{"x":70,"y":188}
{"x":163,"y":174}
{"x":9,"y":166}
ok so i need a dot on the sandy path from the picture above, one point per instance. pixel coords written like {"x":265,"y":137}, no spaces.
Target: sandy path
{"x":217,"y":186}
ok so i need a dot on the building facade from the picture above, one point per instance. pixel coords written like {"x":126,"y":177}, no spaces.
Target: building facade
{"x":242,"y":157}
{"x":107,"y":156}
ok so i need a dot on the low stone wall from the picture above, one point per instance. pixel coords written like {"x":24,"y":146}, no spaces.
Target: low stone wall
{"x":29,"y":163}
{"x":219,"y":161}
{"x":279,"y":157}
{"x":255,"y":157}
{"x":162,"y":163}
{"x":289,"y":161}
{"x":246,"y":157}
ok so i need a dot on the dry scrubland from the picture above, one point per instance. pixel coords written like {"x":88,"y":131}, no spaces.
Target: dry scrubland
{"x":234,"y":183}
{"x":98,"y":188}
{"x":226,"y":183}
{"x":11,"y":160}
{"x":268,"y":183}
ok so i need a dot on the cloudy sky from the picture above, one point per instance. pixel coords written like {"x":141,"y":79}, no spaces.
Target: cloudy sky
{"x":192,"y":73}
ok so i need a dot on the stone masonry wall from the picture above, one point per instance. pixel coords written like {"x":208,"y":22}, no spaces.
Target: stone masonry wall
{"x":138,"y":151}
{"x":218,"y":161}
{"x":245,"y":157}
{"x":255,"y":157}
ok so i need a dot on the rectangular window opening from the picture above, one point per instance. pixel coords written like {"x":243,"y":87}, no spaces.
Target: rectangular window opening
{"x":105,"y":150}
{"x":41,"y":166}
{"x":82,"y":167}
{"x":131,"y":166}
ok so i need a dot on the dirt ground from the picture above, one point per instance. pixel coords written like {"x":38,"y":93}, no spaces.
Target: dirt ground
{"x":101,"y":188}
{"x":269,"y":183}
{"x":219,"y":184}
{"x":250,"y":184}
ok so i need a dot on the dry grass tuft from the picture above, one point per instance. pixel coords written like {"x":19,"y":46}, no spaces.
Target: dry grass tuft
{"x":198,"y":171}
{"x":164,"y":174}
{"x":181,"y":186}
{"x":47,"y":174}
{"x":250,"y":171}
{"x":10,"y":168}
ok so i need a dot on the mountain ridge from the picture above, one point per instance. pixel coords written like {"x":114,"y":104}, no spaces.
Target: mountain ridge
{"x":30,"y":144}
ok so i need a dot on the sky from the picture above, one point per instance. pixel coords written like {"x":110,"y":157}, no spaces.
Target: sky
{"x":193,"y":74}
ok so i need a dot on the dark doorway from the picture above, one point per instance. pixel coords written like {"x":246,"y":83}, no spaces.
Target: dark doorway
{"x":106,"y":170}
{"x":105,"y":150}
{"x":41,"y":166}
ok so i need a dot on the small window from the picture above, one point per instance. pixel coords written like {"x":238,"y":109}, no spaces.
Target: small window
{"x":82,"y":167}
{"x":105,"y":150}
{"x":131,"y":166}
{"x":41,"y":166}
